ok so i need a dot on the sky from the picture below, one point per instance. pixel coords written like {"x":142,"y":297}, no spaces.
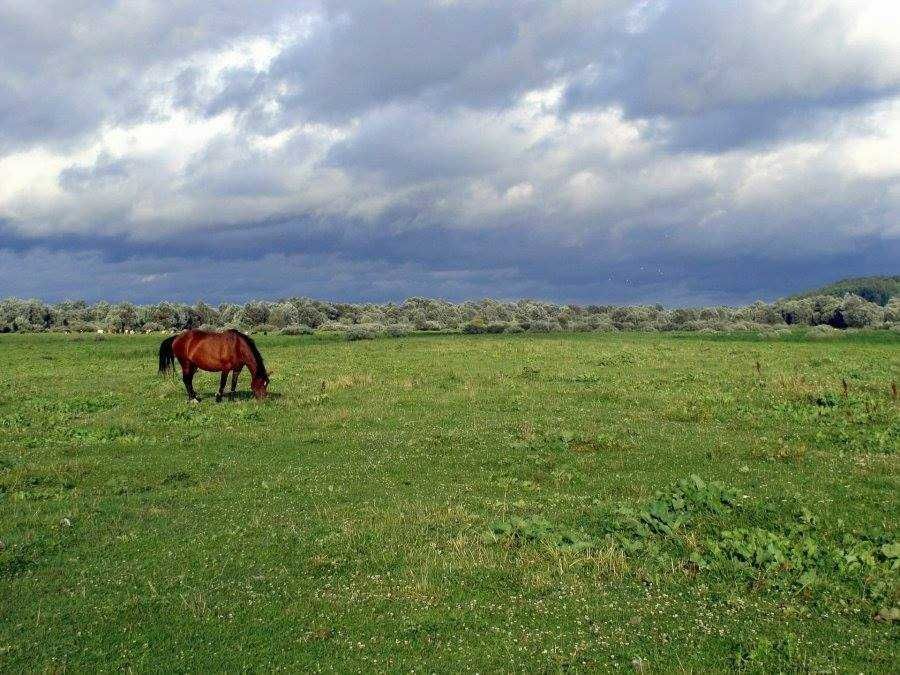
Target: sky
{"x":685,"y":152}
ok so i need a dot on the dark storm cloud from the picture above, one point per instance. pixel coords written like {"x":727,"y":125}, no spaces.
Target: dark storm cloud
{"x":583,"y":149}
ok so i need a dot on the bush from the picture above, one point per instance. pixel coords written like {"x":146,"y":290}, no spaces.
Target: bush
{"x":855,"y":312}
{"x":542,"y":326}
{"x":776,"y":333}
{"x":753,"y":327}
{"x":824,"y":309}
{"x":892,"y":311}
{"x":78,"y":326}
{"x":513,"y":328}
{"x":822,"y":331}
{"x":475,"y":327}
{"x":362,"y":331}
{"x":797,"y":312}
{"x":283,"y":314}
{"x":333,"y":327}
{"x":308,"y":315}
{"x":601,"y":322}
{"x":398,"y":329}
{"x":263,"y":328}
{"x":296,"y":329}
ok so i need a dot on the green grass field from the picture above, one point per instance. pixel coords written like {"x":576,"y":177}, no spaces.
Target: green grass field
{"x":449,"y":503}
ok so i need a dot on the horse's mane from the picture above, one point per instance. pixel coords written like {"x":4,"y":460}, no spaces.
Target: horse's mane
{"x":260,"y":366}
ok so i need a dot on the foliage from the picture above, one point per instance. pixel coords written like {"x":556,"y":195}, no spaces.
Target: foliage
{"x":484,"y":316}
{"x":878,"y":290}
{"x":521,"y":531}
{"x":398,"y":329}
{"x":363,"y":331}
{"x":671,"y":510}
{"x":296,"y":329}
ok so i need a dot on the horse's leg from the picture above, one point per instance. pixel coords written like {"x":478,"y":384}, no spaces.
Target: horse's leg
{"x":187,"y":374}
{"x":222,"y":382}
{"x":234,"y":379}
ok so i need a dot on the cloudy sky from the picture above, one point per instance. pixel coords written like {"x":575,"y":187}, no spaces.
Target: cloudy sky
{"x":681,"y":151}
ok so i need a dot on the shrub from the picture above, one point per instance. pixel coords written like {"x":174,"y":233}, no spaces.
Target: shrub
{"x":892,"y":311}
{"x":332,"y":327}
{"x":296,"y":329}
{"x":542,"y":326}
{"x":797,"y":311}
{"x":283,"y":314}
{"x":513,"y":328}
{"x":822,"y":331}
{"x":431,"y":326}
{"x":475,"y":327}
{"x":398,"y":329}
{"x":855,"y":312}
{"x":824,"y":308}
{"x":308,"y":315}
{"x":78,"y":326}
{"x":364,"y":331}
{"x":601,"y":322}
{"x":264,"y":328}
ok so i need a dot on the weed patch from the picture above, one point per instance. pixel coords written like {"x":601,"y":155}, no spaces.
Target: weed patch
{"x":516,"y":532}
{"x":698,"y":525}
{"x":669,"y":511}
{"x":179,"y":479}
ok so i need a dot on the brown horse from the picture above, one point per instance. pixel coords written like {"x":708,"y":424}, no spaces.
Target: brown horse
{"x":215,"y":352}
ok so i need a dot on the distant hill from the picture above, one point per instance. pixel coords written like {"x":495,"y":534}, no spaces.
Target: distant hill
{"x":873,"y":289}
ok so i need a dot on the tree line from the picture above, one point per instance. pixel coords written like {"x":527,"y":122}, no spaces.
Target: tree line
{"x":360,"y":320}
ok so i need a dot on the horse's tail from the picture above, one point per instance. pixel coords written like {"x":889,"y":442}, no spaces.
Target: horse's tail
{"x":166,"y":355}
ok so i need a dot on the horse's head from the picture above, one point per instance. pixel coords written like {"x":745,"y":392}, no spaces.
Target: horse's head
{"x":260,"y":386}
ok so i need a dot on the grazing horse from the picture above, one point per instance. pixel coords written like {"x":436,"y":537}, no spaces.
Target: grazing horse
{"x":215,"y":352}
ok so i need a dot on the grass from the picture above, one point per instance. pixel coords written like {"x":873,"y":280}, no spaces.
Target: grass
{"x":449,"y":503}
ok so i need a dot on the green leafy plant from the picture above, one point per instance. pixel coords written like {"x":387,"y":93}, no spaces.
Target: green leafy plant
{"x":517,"y":531}
{"x":669,"y":511}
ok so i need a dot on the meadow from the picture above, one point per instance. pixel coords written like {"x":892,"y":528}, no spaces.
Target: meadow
{"x":444,"y":503}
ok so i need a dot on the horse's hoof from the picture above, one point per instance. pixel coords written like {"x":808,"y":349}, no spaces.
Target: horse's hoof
{"x":196,"y":399}
{"x":218,"y":398}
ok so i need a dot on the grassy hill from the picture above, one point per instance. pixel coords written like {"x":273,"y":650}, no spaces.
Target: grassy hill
{"x":874,"y":289}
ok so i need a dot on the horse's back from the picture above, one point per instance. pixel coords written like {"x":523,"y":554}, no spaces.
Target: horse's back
{"x":209,"y":350}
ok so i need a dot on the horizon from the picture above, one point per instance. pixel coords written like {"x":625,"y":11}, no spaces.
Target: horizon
{"x":598,"y":152}
{"x":474,"y":300}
